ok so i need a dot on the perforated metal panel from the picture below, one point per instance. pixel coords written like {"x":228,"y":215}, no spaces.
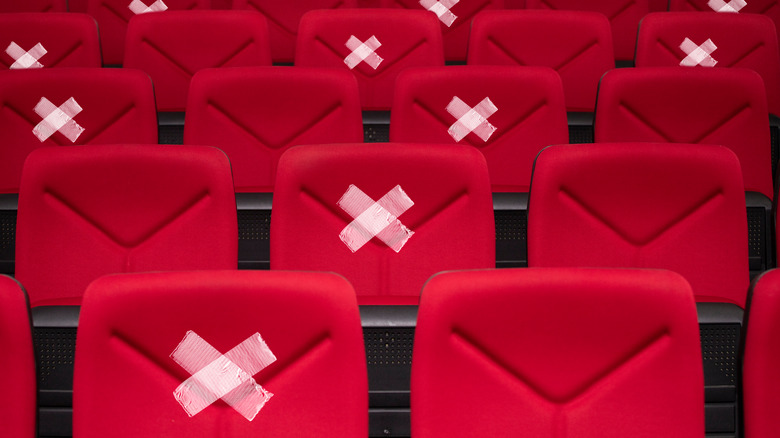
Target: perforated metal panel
{"x":756,"y":230}
{"x":7,"y":240}
{"x":392,"y":347}
{"x":254,"y":231}
{"x":171,"y":134}
{"x":720,"y":346}
{"x":254,"y":225}
{"x":580,"y":134}
{"x":511,"y":238}
{"x":56,"y":349}
{"x":376,"y":133}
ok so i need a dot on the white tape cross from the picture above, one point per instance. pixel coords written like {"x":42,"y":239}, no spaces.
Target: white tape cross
{"x":222,"y":376}
{"x":57,"y":119}
{"x":25,"y":59}
{"x":139,"y":7}
{"x":698,"y":55}
{"x":733,"y":6}
{"x":363,"y":52}
{"x":471,"y":119}
{"x":442,"y":9}
{"x":375,"y":219}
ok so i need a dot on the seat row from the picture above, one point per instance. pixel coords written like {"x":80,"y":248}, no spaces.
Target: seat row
{"x":386,"y":217}
{"x":578,"y":45}
{"x":255,"y":114}
{"x":496,"y":352}
{"x":454,"y":17}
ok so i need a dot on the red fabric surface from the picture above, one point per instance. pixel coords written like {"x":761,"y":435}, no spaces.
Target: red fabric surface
{"x":676,"y":207}
{"x":18,"y":403}
{"x":452,"y":215}
{"x":130,"y":324}
{"x":89,"y":211}
{"x":70,"y":40}
{"x":172,"y":46}
{"x":721,"y":106}
{"x":117,"y":107}
{"x":577,"y":44}
{"x":255,"y":114}
{"x":554,"y":352}
{"x":531,"y":114}
{"x":407,"y":38}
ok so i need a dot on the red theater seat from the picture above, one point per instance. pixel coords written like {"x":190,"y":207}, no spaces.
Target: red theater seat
{"x":66,"y":40}
{"x":113,"y":15}
{"x":624,"y":15}
{"x":759,"y":370}
{"x":451,"y":216}
{"x":254,"y":115}
{"x":455,"y":20}
{"x":308,"y":322}
{"x":770,"y":8}
{"x":525,"y":107}
{"x":755,"y":48}
{"x":522,"y":111}
{"x":87,"y":211}
{"x":654,"y":205}
{"x":577,"y":44}
{"x":400,"y":39}
{"x":121,"y":208}
{"x":534,"y":352}
{"x":709,"y":106}
{"x":283,"y":19}
{"x":117,"y":106}
{"x":172,"y":46}
{"x":18,"y":403}
{"x":386,"y":217}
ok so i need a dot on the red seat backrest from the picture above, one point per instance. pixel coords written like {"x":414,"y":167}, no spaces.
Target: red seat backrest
{"x":624,"y":15}
{"x":577,"y":44}
{"x":18,"y":405}
{"x":644,"y":205}
{"x":255,"y":114}
{"x":451,"y":217}
{"x":67,"y":40}
{"x":455,"y":20}
{"x":87,"y":211}
{"x":172,"y":46}
{"x":761,"y":385}
{"x":756,"y":48}
{"x":725,"y":106}
{"x":283,"y":19}
{"x":117,"y":106}
{"x":530,"y":114}
{"x":597,"y":353}
{"x":113,"y":15}
{"x":404,"y":39}
{"x":308,"y":321}
{"x":770,"y":8}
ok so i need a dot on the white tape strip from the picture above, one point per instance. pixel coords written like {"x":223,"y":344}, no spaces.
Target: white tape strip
{"x":698,"y":55}
{"x":228,"y":377}
{"x":441,"y":9}
{"x":363,"y":52}
{"x":57,"y":119}
{"x":375,"y":219}
{"x":471,"y":119}
{"x":25,"y":59}
{"x":733,"y":6}
{"x":139,"y":7}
